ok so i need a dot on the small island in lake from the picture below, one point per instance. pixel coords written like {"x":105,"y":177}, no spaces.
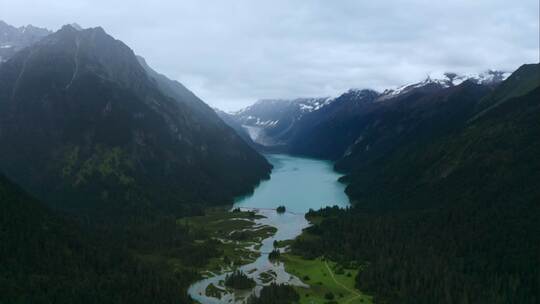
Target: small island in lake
{"x":274,"y":254}
{"x":275,"y":293}
{"x":239,"y":280}
{"x":281,"y":209}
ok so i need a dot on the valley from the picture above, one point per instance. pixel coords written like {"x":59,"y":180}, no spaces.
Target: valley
{"x":119,"y":184}
{"x":299,"y":184}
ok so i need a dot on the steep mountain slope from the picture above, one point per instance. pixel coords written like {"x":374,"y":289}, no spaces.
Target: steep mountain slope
{"x":84,"y":125}
{"x":419,"y":134}
{"x":327,"y":132}
{"x":231,"y":120}
{"x":448,"y":215}
{"x":517,"y":84}
{"x":412,"y":120}
{"x":14,"y":39}
{"x":341,"y":125}
{"x":181,"y":94}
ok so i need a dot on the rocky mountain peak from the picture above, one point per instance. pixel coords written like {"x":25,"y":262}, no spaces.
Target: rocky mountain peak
{"x":13,"y":39}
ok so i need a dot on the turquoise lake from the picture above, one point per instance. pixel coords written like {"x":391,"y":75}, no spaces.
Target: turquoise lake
{"x":299,"y":184}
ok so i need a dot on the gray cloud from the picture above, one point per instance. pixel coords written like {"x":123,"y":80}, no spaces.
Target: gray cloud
{"x":231,"y":53}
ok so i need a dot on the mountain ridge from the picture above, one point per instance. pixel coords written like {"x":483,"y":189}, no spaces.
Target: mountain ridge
{"x":14,"y":39}
{"x":285,"y":123}
{"x":99,"y":121}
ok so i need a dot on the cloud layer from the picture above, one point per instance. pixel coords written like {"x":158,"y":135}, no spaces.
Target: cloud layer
{"x":231,"y":53}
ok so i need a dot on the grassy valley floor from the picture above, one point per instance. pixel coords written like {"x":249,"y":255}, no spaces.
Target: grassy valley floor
{"x":238,"y":238}
{"x":236,"y":235}
{"x":328,"y":281}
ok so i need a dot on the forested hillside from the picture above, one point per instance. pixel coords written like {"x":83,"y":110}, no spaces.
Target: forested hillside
{"x":450,"y":217}
{"x":49,"y":258}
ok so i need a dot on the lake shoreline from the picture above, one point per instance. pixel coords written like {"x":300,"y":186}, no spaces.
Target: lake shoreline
{"x":299,"y":184}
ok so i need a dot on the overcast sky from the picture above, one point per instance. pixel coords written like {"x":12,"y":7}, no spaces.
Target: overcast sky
{"x":234,"y":52}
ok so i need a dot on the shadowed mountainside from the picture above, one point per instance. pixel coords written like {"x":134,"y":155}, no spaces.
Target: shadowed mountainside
{"x":85,"y":126}
{"x":446,"y":210}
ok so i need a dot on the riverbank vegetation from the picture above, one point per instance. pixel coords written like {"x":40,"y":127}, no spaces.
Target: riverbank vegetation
{"x":274,"y":255}
{"x":275,"y":294}
{"x":324,"y":278}
{"x":213,"y":291}
{"x":234,"y":234}
{"x":239,"y":280}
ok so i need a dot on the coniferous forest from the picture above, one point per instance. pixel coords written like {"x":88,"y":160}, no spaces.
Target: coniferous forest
{"x":52,"y":258}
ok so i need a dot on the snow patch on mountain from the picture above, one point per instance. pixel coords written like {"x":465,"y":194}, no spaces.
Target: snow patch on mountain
{"x":258,"y":122}
{"x":447,"y":80}
{"x":305,"y":105}
{"x":313,"y":104}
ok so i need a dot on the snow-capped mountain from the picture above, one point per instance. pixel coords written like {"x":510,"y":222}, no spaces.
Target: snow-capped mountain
{"x":449,"y":79}
{"x":288,"y":122}
{"x":13,"y":39}
{"x":303,"y":105}
{"x":267,"y":119}
{"x":490,"y":77}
